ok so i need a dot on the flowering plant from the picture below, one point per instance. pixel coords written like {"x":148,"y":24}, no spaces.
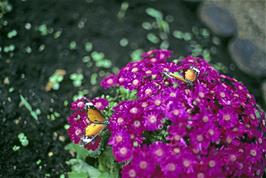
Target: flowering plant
{"x":211,"y":127}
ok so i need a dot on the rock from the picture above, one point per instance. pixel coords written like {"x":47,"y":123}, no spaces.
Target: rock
{"x":218,"y":19}
{"x":263,"y":87}
{"x":250,"y":18}
{"x":248,"y":57}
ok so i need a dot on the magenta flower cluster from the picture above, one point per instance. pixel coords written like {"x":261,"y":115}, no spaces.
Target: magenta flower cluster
{"x":210,"y":129}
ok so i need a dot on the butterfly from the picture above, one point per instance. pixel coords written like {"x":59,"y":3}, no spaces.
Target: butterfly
{"x":97,"y":123}
{"x":190,"y":75}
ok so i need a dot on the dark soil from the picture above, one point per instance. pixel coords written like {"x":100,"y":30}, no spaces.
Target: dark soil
{"x":28,"y":73}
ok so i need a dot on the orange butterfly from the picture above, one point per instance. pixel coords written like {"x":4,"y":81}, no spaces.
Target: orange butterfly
{"x":96,"y":125}
{"x":189,"y":77}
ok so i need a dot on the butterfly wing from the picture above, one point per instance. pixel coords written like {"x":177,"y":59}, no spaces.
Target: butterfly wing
{"x":94,"y":129}
{"x":95,"y":116}
{"x":191,"y":75}
{"x":177,"y":76}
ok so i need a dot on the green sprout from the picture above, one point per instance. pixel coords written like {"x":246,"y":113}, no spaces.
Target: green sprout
{"x":86,"y":59}
{"x":178,"y":34}
{"x":147,"y":25}
{"x":66,"y":126}
{"x":205,"y":33}
{"x":28,"y":49}
{"x":123,"y":9}
{"x":16,"y":148}
{"x":76,"y":79}
{"x":161,"y":23}
{"x":100,"y":60}
{"x":38,"y":162}
{"x":43,"y":29}
{"x":12,"y":34}
{"x":123,"y":42}
{"x":164,"y":44}
{"x":136,"y":54}
{"x":104,"y":63}
{"x":221,"y":67}
{"x":55,"y":79}
{"x":93,"y":79}
{"x":80,"y":94}
{"x":73,"y":45}
{"x":41,"y":47}
{"x":57,"y":34}
{"x":5,"y":7}
{"x":27,"y":26}
{"x":9,"y":48}
{"x":35,"y":113}
{"x":53,"y":116}
{"x":153,"y":38}
{"x":182,"y":35}
{"x":23,"y":139}
{"x":88,"y":46}
{"x":154,"y":13}
{"x":97,"y":56}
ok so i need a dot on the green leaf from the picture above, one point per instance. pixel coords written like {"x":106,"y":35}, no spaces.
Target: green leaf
{"x":136,"y":54}
{"x":163,"y":25}
{"x":93,"y":79}
{"x":108,"y":165}
{"x":25,"y":103}
{"x":23,"y":139}
{"x":28,"y":107}
{"x":104,"y":63}
{"x":154,"y":13}
{"x":80,"y":166}
{"x":126,"y":94}
{"x":81,"y":152}
{"x":88,"y":46}
{"x":77,"y":175}
{"x":97,"y":56}
{"x":153,"y":38}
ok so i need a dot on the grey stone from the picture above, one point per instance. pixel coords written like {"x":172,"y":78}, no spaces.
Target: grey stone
{"x":248,"y":57}
{"x":250,"y":17}
{"x":218,"y":19}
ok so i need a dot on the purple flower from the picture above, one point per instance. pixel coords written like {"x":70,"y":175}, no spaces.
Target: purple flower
{"x":143,"y":163}
{"x":210,"y":167}
{"x":79,"y":104}
{"x":155,"y":56}
{"x":122,"y":153}
{"x":199,"y":140}
{"x":75,"y":131}
{"x":100,"y":103}
{"x":153,"y":120}
{"x":176,"y":111}
{"x":171,"y":167}
{"x":109,"y":81}
{"x":227,"y":117}
{"x":119,"y":138}
{"x":148,"y":89}
{"x":78,"y":117}
{"x":159,"y":151}
{"x":129,"y":171}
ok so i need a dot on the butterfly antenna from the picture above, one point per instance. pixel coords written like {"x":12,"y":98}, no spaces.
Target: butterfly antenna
{"x":165,"y":73}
